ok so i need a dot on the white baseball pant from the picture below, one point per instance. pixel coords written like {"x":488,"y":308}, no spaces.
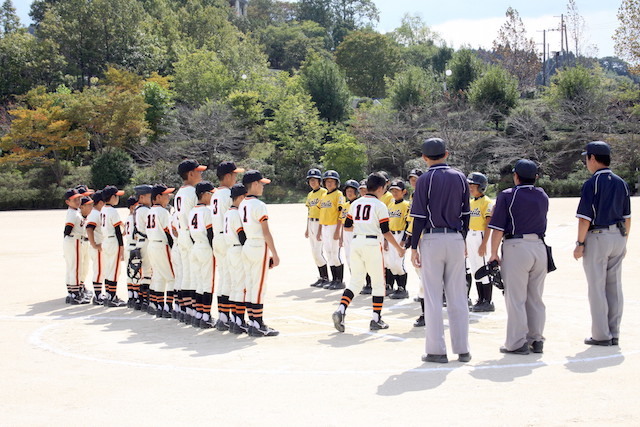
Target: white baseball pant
{"x":221,"y":269}
{"x":202,"y":263}
{"x":163,"y":274}
{"x":176,"y":259}
{"x":236,"y":273}
{"x":392,"y":260}
{"x":97,"y":266}
{"x":475,"y":261}
{"x":347,"y":239}
{"x":72,"y":257}
{"x":366,"y":258}
{"x":316,"y":246}
{"x":111,"y":256}
{"x":188,"y":277}
{"x":255,"y":256}
{"x":330,"y":246}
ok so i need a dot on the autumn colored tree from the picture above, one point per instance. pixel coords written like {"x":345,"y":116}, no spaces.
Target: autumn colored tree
{"x":627,"y":35}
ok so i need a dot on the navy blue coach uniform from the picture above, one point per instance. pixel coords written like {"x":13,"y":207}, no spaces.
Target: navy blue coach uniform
{"x":604,"y":214}
{"x":441,"y":212}
{"x":520,"y":217}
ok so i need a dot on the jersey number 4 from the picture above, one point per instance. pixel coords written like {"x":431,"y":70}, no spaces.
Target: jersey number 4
{"x":366,"y":212}
{"x":194,"y":222}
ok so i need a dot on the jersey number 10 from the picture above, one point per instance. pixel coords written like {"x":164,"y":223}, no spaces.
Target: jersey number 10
{"x":366,"y":212}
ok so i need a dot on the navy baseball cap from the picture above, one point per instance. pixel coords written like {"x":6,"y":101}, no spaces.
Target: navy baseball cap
{"x":204,"y":186}
{"x":253,"y":176}
{"x":143,"y":189}
{"x":161,"y":189}
{"x":415,"y":172}
{"x":131,"y":201}
{"x":84,"y":190}
{"x":97,"y":197}
{"x":526,"y":169}
{"x":397,"y":184}
{"x":314,"y":173}
{"x":86,"y":200}
{"x":227,"y":167}
{"x":599,"y":148}
{"x":71,"y":194}
{"x":434,"y":147}
{"x":238,"y":190}
{"x":190,"y":165}
{"x":111,"y":190}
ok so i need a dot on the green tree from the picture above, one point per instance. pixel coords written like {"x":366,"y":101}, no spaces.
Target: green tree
{"x":113,"y":167}
{"x":345,"y":155}
{"x":578,"y":94}
{"x":627,"y":35}
{"x":413,"y":88}
{"x":159,"y":100}
{"x":496,"y":90}
{"x":465,"y":67}
{"x":328,"y":88}
{"x":414,"y":31}
{"x":9,"y":20}
{"x":288,"y":45}
{"x":201,"y":76}
{"x":263,"y":13}
{"x":367,"y":58}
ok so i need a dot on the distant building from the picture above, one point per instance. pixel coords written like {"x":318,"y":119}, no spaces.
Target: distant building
{"x":240,"y":6}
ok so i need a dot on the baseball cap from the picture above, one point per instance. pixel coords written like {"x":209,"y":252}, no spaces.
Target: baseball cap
{"x":71,"y":194}
{"x":86,"y":200}
{"x":314,"y":173}
{"x":143,"y":189}
{"x":363,"y":184}
{"x":599,"y":148}
{"x":111,"y":190}
{"x":415,"y":172}
{"x":384,"y":175}
{"x":227,"y":167}
{"x":526,"y":169}
{"x":161,"y":189}
{"x":84,"y":190}
{"x":433,"y":147}
{"x":238,"y":190}
{"x":97,"y":197}
{"x":204,"y":186}
{"x":189,"y":165}
{"x":397,"y":184}
{"x":131,"y":201}
{"x":253,"y":176}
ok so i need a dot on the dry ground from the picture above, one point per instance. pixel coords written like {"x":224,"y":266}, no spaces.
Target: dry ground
{"x":86,"y":365}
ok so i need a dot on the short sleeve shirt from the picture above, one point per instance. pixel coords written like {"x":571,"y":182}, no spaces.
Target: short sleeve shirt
{"x":200,"y":220}
{"x":313,"y":202}
{"x":387,"y":198}
{"x":367,"y":213}
{"x":158,"y":222}
{"x":330,"y":207}
{"x":232,"y":226}
{"x":128,"y":228}
{"x":253,"y":213}
{"x":110,"y":220}
{"x":94,"y":219}
{"x":398,"y":215}
{"x":481,"y":209}
{"x":605,"y":199}
{"x":220,"y":204}
{"x":74,"y":220}
{"x":184,"y":201}
{"x":521,"y":210}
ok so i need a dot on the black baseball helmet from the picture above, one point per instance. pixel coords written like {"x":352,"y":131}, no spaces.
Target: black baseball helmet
{"x":414,"y":172}
{"x":352,"y":183}
{"x":479,"y":179}
{"x":314,"y":173}
{"x":331,"y":174}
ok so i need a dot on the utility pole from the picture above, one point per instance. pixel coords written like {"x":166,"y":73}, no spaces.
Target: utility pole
{"x":562,"y":34}
{"x":544,"y":57}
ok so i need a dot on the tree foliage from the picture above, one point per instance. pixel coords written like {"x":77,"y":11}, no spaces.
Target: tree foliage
{"x":627,"y":35}
{"x":465,"y":68}
{"x":9,"y":20}
{"x":200,"y":77}
{"x":413,"y":88}
{"x":495,"y":90}
{"x":345,"y":155}
{"x":113,"y":167}
{"x":288,"y":45}
{"x":326,"y":84}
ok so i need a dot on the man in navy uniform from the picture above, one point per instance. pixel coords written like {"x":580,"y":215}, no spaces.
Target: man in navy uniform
{"x":520,"y":217}
{"x":441,"y":219}
{"x":604,"y":219}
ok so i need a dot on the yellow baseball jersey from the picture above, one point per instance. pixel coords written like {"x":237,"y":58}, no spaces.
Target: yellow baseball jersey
{"x":200,"y":220}
{"x":345,"y":209}
{"x":158,"y":222}
{"x":387,"y":198}
{"x":253,"y":212}
{"x":313,"y":202}
{"x":398,"y":215}
{"x":481,"y":209}
{"x":330,"y":207}
{"x":410,"y":218}
{"x":367,"y":213}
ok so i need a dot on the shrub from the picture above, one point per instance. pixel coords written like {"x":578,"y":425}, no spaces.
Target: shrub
{"x":113,"y":167}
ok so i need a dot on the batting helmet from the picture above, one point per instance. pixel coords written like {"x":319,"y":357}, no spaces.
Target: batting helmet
{"x":353,"y":184}
{"x":478,"y":178}
{"x":415,"y":172}
{"x":314,"y":173}
{"x":331,"y":174}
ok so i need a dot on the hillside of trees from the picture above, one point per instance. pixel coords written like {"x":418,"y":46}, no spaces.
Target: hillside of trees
{"x":119,"y":91}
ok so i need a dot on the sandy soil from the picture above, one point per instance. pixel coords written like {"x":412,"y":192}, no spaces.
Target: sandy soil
{"x":87,"y":365}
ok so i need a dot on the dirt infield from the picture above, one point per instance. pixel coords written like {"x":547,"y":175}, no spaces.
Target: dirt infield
{"x":87,"y":365}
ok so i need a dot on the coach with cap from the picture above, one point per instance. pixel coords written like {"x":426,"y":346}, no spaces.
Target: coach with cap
{"x":520,"y":217}
{"x":441,"y":217}
{"x":604,"y":219}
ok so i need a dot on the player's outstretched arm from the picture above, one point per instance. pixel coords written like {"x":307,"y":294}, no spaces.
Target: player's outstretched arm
{"x":268,"y":238}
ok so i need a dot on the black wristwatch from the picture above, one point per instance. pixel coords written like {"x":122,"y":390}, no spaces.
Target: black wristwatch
{"x":578,"y":243}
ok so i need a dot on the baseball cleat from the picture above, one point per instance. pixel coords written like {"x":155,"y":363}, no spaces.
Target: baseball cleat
{"x":207,"y":324}
{"x":144,"y":305}
{"x":388,"y":291}
{"x":366,"y":290}
{"x":195,"y":322}
{"x":435,"y":358}
{"x":130,"y":303}
{"x":483,"y":307}
{"x":262,"y":331}
{"x":464,"y":357}
{"x":419,"y":321}
{"x":338,"y":320}
{"x":151,"y":309}
{"x":222,"y":326}
{"x":114,"y":302}
{"x":376,"y":326}
{"x":337,"y":285}
{"x":591,"y":341}
{"x":614,"y":341}
{"x":400,"y":293}
{"x":537,"y":346}
{"x":97,"y":300}
{"x":239,"y":328}
{"x":317,"y":283}
{"x":328,"y":284}
{"x":522,"y":350}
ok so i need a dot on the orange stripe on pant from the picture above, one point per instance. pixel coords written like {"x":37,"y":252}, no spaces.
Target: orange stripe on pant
{"x":169,"y":258}
{"x":262,"y":274}
{"x":78,"y":262}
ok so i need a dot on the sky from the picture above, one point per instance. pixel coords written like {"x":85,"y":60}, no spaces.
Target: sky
{"x":476,"y":23}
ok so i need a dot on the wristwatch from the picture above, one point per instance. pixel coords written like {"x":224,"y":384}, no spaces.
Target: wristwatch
{"x":578,"y":243}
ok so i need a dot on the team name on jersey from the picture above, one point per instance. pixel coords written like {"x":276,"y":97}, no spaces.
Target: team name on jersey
{"x":475,"y":212}
{"x":326,"y":204}
{"x":314,"y":202}
{"x":395,"y":214}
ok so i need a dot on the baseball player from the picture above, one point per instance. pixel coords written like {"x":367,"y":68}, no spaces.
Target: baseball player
{"x":369,"y":219}
{"x":142,"y":288}
{"x":236,"y":237}
{"x":71,"y":246}
{"x":413,"y":176}
{"x":202,"y":254}
{"x":176,"y":258}
{"x":86,"y":206}
{"x":330,"y":227}
{"x":191,"y":173}
{"x":440,"y":209}
{"x":129,"y":225}
{"x":366,"y":289}
{"x":256,"y":250}
{"x":604,"y":221}
{"x":387,"y":199}
{"x":227,"y":173}
{"x":113,"y":245}
{"x":159,"y":251}
{"x":398,"y":215}
{"x":520,"y":216}
{"x":478,"y":237}
{"x":314,"y":179}
{"x":351,"y":194}
{"x":93,"y":227}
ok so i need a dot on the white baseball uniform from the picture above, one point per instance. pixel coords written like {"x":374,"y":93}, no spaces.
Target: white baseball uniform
{"x":111,"y":251}
{"x":158,"y":223}
{"x":85,"y":256}
{"x":94,"y":219}
{"x":71,"y":248}
{"x":255,"y":253}
{"x":313,"y":206}
{"x":220,"y":204}
{"x":184,"y":201}
{"x":232,"y":227}
{"x":202,"y":260}
{"x":142,"y":243}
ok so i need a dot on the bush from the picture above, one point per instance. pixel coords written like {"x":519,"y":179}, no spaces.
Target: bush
{"x":413,"y":87}
{"x":496,"y":90}
{"x":113,"y":167}
{"x":345,"y":155}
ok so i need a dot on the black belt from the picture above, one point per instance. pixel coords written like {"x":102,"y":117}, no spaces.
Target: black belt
{"x":158,"y":241}
{"x":237,"y":244}
{"x":441,"y":230}
{"x":314,"y":219}
{"x":518,"y":236}
{"x":220,"y":232}
{"x":85,"y":239}
{"x":366,"y":236}
{"x":600,"y":227}
{"x":397,"y":232}
{"x":111,"y":237}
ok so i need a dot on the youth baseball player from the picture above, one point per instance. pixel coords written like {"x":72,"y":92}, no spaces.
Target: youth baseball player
{"x":227,"y":173}
{"x":113,"y":245}
{"x":351,"y":194}
{"x":236,"y":237}
{"x":86,"y":206}
{"x":369,"y":219}
{"x":387,"y":199}
{"x":330,"y":228}
{"x":132,"y":203}
{"x":142,"y":288}
{"x":398,"y":214}
{"x":176,"y":257}
{"x":413,"y":176}
{"x":478,"y":237}
{"x":93,"y":227}
{"x":71,"y":246}
{"x":159,"y":251}
{"x":314,"y":179}
{"x":202,"y":254}
{"x":366,"y":289}
{"x":191,"y":173}
{"x":258,"y":253}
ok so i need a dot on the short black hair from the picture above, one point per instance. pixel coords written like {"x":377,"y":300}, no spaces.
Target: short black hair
{"x":601,"y":158}
{"x":527,"y":181}
{"x":184,"y":175}
{"x":153,"y":197}
{"x":375,"y":181}
{"x":438,"y":157}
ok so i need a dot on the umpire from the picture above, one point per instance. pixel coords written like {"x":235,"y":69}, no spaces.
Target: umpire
{"x":441,"y":217}
{"x":520,"y":216}
{"x":604,"y":219}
